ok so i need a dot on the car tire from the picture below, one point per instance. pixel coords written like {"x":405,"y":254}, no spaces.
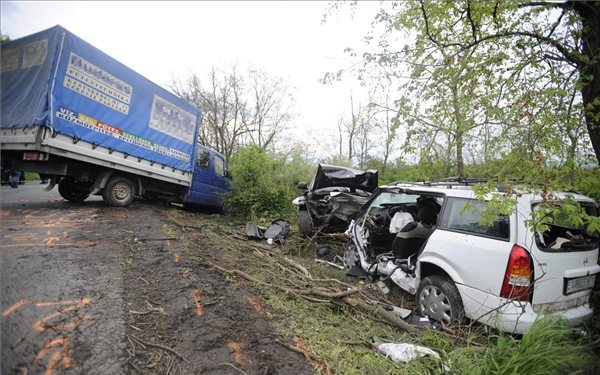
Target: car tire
{"x":438,"y":299}
{"x":305,"y":226}
{"x":118,"y":192}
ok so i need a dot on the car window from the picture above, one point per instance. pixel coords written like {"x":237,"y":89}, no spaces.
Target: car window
{"x":465,"y":215}
{"x":393,"y":198}
{"x":219,"y":165}
{"x":203,"y":160}
{"x":561,"y":232}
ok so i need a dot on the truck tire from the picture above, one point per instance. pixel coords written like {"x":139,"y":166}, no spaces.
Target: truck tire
{"x":70,"y":190}
{"x":118,"y":192}
{"x":438,"y":298}
{"x":305,"y":226}
{"x":226,"y":208}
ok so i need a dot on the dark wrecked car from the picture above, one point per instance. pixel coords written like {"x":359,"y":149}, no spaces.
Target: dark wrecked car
{"x":333,"y":198}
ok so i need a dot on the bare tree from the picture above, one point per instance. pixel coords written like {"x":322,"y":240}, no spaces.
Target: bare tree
{"x":269,"y":108}
{"x":253,"y":108}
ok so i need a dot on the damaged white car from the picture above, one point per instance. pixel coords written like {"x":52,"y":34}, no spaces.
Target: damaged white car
{"x":428,"y":239}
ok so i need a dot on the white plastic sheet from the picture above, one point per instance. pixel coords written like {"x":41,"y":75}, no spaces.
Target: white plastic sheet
{"x":404,"y":352}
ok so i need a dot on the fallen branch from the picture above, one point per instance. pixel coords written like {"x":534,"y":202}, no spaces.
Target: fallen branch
{"x":310,"y":356}
{"x":343,"y":296}
{"x":298,"y":267}
{"x":311,"y":238}
{"x":382,"y":313}
{"x":148,"y":343}
{"x":150,"y":310}
{"x":329,"y":263}
{"x":312,"y":291}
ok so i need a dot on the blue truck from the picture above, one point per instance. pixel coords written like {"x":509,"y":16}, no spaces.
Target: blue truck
{"x":96,"y":127}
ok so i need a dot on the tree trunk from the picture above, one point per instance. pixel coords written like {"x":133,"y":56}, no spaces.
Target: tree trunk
{"x":590,"y":73}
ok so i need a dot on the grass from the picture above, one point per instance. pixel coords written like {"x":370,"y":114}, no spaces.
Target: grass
{"x":550,"y":347}
{"x":340,"y":336}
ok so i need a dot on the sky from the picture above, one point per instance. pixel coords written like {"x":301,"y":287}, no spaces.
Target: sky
{"x":165,"y":39}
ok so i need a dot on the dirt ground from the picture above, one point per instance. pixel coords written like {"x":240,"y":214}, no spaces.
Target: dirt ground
{"x":214,"y":324}
{"x":90,"y":289}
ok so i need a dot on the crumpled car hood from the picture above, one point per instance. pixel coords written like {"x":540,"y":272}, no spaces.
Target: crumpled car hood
{"x":336,"y":176}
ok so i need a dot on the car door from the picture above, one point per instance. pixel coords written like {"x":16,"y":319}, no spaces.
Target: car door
{"x":210,"y":181}
{"x":472,"y":254}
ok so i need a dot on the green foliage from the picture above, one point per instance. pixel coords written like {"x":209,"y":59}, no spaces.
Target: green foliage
{"x":548,"y":348}
{"x":587,"y":181}
{"x":264,"y":184}
{"x":485,"y":86}
{"x":565,"y":212}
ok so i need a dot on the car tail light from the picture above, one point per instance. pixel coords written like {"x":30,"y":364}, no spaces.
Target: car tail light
{"x":518,"y":278}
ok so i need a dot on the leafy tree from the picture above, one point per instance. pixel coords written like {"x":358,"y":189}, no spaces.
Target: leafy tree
{"x":482,"y":81}
{"x":519,"y":58}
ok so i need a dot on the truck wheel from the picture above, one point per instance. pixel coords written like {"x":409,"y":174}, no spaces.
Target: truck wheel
{"x":438,"y":298}
{"x":226,"y":208}
{"x":118,"y":192}
{"x":72,"y":191}
{"x":305,"y":226}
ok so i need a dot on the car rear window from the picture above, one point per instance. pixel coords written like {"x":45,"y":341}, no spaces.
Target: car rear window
{"x":467,"y":215}
{"x":562,"y":233}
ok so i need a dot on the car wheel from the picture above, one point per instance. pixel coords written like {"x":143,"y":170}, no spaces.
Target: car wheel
{"x":118,"y":192}
{"x":438,"y":298}
{"x":305,"y":226}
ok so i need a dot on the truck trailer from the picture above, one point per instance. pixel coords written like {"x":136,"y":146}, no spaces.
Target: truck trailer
{"x":96,"y":127}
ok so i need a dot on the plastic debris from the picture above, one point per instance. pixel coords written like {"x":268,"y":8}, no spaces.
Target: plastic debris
{"x":404,"y":352}
{"x":384,"y":289}
{"x":276,"y":232}
{"x":402,"y":313}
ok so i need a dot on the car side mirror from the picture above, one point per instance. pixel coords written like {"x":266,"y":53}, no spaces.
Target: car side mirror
{"x":302,"y":185}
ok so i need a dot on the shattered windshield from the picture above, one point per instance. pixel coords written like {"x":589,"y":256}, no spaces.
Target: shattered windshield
{"x":388,"y":198}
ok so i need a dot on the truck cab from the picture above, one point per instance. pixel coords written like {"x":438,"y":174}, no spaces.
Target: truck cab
{"x":211,"y":181}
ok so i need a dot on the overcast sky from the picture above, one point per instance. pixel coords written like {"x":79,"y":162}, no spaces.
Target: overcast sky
{"x":159,"y":39}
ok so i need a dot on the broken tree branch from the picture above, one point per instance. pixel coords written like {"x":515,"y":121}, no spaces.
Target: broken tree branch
{"x":148,"y":343}
{"x":381,"y":312}
{"x":342,"y":296}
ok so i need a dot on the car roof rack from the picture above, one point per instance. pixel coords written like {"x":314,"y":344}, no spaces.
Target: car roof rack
{"x":455,"y":181}
{"x":405,"y":183}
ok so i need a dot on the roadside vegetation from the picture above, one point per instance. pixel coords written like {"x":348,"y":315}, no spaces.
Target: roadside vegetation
{"x":330,"y":319}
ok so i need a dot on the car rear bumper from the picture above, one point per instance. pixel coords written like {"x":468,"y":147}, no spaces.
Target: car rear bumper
{"x":512,"y":316}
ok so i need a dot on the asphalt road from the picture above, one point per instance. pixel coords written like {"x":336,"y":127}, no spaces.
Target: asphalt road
{"x":61,"y":290}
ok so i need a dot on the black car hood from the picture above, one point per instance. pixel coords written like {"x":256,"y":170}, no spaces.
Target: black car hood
{"x":337,"y":176}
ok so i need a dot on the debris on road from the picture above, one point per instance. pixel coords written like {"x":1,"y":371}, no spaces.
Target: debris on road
{"x":276,"y":232}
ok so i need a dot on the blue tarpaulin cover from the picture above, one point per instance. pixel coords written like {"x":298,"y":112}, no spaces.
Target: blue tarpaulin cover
{"x":55,"y":79}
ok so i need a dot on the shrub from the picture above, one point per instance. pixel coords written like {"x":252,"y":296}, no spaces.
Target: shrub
{"x":264,"y":184}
